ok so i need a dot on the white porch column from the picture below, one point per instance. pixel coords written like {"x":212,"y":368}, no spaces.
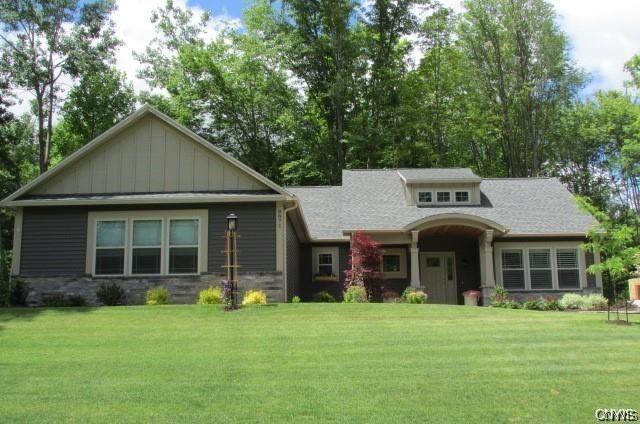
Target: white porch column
{"x":415,"y":260}
{"x":487,"y":275}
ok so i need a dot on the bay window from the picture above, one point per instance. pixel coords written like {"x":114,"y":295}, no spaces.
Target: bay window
{"x":147,"y":243}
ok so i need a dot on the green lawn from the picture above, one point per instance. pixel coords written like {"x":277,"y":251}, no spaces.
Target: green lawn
{"x":310,"y":362}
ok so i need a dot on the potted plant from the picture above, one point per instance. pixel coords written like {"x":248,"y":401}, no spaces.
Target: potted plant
{"x":471,"y":297}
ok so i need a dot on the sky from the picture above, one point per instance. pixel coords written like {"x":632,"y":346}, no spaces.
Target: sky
{"x":603,"y":34}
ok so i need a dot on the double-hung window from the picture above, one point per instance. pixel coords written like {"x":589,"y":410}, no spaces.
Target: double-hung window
{"x":325,"y":264}
{"x":183,"y":246}
{"x":110,"y":247}
{"x":568,"y":268}
{"x":512,"y":269}
{"x":425,"y":198}
{"x":147,"y":243}
{"x":146,"y":246}
{"x":540,"y":270}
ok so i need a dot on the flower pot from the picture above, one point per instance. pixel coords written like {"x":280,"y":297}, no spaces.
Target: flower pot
{"x":471,"y":297}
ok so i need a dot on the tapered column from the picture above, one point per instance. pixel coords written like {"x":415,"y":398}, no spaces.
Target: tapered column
{"x":415,"y":260}
{"x":487,"y":276}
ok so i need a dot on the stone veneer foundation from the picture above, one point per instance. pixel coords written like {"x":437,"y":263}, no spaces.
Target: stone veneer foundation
{"x":183,"y":289}
{"x":521,"y":296}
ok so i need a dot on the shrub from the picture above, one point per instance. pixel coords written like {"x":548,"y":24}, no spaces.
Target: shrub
{"x":18,"y":292}
{"x":356,"y":294}
{"x":364,"y":261}
{"x":572,"y":301}
{"x":295,"y":299}
{"x":53,"y":300}
{"x":254,"y":297}
{"x":110,"y":294}
{"x":158,"y":296}
{"x":595,"y":302}
{"x":390,"y":296}
{"x":540,"y":304}
{"x":323,"y":297}
{"x":500,"y":294}
{"x":416,"y":297}
{"x":553,"y":305}
{"x":506,"y":304}
{"x":75,"y":300}
{"x":210,"y":296}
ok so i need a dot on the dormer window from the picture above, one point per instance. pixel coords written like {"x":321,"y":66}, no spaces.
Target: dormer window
{"x":424,"y":198}
{"x":462,"y":197}
{"x":444,"y":197}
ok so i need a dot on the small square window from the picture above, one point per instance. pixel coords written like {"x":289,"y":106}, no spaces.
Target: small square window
{"x":462,"y":196}
{"x":424,"y":197}
{"x":444,"y":197}
{"x":390,"y":263}
{"x":325,"y":264}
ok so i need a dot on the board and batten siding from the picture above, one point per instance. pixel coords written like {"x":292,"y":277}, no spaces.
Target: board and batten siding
{"x":150,"y":156}
{"x":54,"y":242}
{"x":54,"y":238}
{"x":257,"y":236}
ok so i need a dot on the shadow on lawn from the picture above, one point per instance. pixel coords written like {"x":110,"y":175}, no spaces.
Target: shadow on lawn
{"x":27,"y":314}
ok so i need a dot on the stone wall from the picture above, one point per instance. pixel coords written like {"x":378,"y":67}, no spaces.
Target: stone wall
{"x":183,"y":289}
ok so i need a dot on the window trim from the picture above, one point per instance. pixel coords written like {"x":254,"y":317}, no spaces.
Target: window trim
{"x":393,"y":251}
{"x":129,"y":216}
{"x":553,"y":247}
{"x":335,"y":258}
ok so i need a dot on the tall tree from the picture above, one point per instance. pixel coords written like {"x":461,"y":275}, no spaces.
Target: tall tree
{"x":523,"y":68}
{"x":44,"y":41}
{"x":95,"y":104}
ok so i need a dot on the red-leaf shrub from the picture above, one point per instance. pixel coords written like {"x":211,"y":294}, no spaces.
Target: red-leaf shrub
{"x":364,"y":258}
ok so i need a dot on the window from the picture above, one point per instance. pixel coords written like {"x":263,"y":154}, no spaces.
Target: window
{"x":512,"y":269}
{"x":444,"y":197}
{"x":540,"y":272}
{"x":433,"y":262}
{"x":424,"y":197}
{"x":325,"y":264}
{"x":568,"y":268}
{"x":183,"y":246}
{"x":110,"y":247}
{"x":146,"y":244}
{"x":462,"y":196}
{"x":391,"y":263}
{"x":449,"y":268}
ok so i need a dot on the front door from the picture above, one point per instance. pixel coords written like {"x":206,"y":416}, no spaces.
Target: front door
{"x":437,"y":275}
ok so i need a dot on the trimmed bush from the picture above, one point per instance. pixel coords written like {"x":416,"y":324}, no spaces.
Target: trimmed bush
{"x":210,"y":296}
{"x":53,"y":300}
{"x":572,"y":301}
{"x":158,"y":296}
{"x":540,"y":304}
{"x":295,"y":299}
{"x":254,"y":297}
{"x":595,"y":302}
{"x":412,"y":295}
{"x":75,"y":300}
{"x":356,"y":294}
{"x":18,"y":292}
{"x":110,"y":294}
{"x":323,"y":297}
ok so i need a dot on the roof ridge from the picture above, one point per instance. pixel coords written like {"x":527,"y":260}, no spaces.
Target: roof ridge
{"x":520,"y":178}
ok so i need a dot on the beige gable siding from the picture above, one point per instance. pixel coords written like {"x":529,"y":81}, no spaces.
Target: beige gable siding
{"x":149,"y":156}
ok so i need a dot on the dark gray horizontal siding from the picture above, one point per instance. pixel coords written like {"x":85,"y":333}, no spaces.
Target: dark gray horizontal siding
{"x":293,"y":261}
{"x":257,"y":236}
{"x":53,"y":242}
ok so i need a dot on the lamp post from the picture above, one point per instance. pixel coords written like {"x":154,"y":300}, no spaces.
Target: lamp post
{"x":232,"y":258}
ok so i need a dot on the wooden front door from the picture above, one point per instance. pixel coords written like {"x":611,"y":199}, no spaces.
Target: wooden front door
{"x":437,"y":275}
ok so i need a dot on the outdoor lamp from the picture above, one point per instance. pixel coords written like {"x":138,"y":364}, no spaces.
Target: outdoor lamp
{"x":232,"y":222}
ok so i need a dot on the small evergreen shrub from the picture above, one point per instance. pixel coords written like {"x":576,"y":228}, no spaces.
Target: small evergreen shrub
{"x":572,"y":301}
{"x":210,"y":296}
{"x":295,"y":299}
{"x":110,"y":294}
{"x":356,"y":294}
{"x":323,"y":297}
{"x":254,"y":297}
{"x":540,"y":304}
{"x":554,"y":305}
{"x":75,"y":301}
{"x":595,"y":302}
{"x":158,"y":296}
{"x":18,"y":292}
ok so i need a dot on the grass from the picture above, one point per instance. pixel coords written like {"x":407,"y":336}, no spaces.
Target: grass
{"x":313,"y":362}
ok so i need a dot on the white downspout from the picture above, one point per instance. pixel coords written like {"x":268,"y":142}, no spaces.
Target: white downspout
{"x":284,"y":232}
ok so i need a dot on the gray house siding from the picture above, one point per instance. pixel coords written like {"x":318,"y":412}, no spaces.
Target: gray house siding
{"x":54,"y":242}
{"x":310,"y":287}
{"x":293,"y":261}
{"x":256,"y":231}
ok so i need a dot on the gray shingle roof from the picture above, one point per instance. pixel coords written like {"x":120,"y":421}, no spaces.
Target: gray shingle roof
{"x":374,"y":200}
{"x":416,"y":175}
